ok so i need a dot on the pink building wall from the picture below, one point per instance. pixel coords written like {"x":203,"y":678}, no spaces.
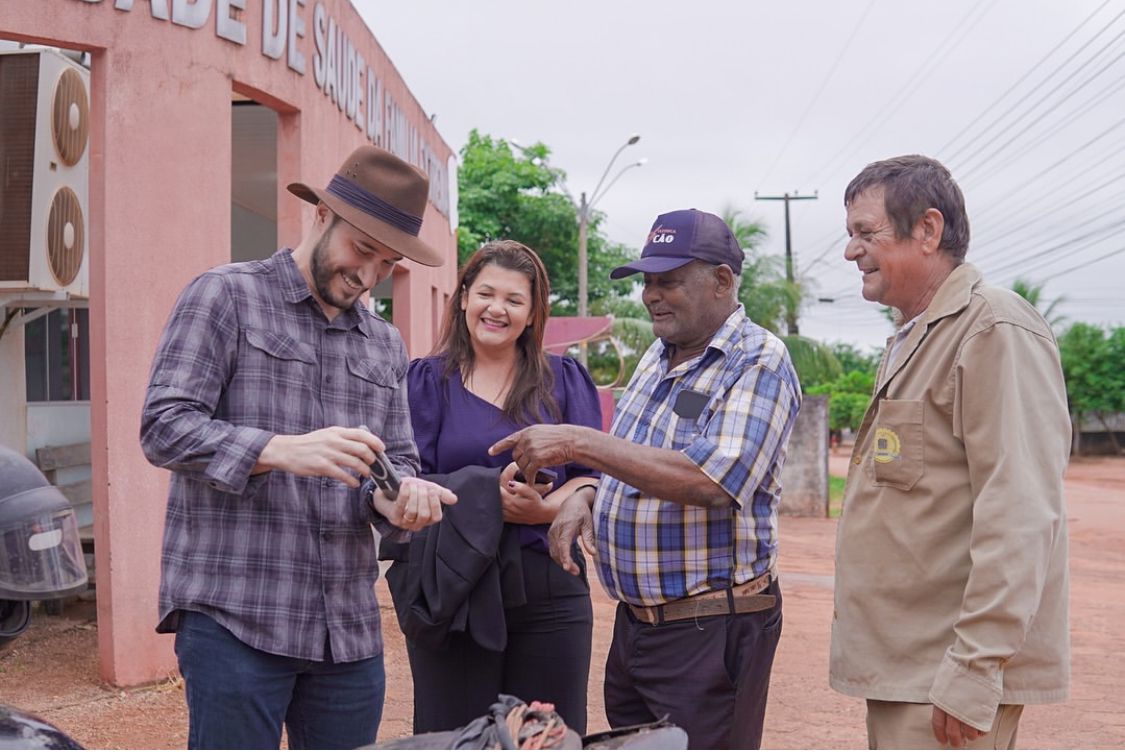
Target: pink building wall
{"x":160,"y":188}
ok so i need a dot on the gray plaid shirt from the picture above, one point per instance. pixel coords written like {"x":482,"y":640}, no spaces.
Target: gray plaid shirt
{"x":286,"y":563}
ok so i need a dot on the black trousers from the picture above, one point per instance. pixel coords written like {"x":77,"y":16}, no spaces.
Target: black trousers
{"x":710,"y":676}
{"x":547,"y":658}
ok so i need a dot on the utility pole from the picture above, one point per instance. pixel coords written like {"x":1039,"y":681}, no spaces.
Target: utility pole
{"x":790,"y":305}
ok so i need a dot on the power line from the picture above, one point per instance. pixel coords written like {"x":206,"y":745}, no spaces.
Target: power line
{"x":838,"y":237}
{"x":1024,"y":77}
{"x":1082,"y":174}
{"x":843,"y":291}
{"x":980,"y":134}
{"x":996,"y":233}
{"x":1098,"y":235}
{"x":911,"y":86}
{"x":1045,"y":133}
{"x":1056,"y":275}
{"x":997,"y":254}
{"x":1098,"y":98}
{"x":988,"y":210}
{"x":816,"y":97}
{"x":969,"y":171}
{"x":1071,"y":154}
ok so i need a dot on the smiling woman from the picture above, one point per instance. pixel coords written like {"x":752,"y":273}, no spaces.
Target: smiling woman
{"x":497,"y":308}
{"x":493,"y":334}
{"x":488,"y":378}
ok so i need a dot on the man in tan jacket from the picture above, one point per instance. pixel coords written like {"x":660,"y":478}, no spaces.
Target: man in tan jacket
{"x":951,"y":557}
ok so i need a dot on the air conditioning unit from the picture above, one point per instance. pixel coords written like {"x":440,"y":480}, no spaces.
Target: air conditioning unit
{"x":44,"y":173}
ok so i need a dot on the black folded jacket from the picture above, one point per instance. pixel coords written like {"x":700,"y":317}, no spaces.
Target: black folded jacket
{"x":461,"y":574}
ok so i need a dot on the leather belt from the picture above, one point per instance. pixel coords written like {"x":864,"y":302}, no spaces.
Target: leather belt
{"x":741,"y":598}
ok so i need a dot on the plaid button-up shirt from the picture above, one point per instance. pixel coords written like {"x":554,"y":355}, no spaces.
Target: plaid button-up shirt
{"x":652,"y":551}
{"x":286,"y":563}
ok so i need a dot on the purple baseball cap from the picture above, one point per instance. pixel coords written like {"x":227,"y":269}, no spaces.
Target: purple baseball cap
{"x":682,"y":236}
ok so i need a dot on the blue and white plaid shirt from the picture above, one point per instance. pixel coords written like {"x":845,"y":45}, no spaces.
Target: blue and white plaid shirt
{"x":651,"y":551}
{"x":286,"y":563}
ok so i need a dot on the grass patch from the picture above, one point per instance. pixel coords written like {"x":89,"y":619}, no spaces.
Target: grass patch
{"x":835,"y":495}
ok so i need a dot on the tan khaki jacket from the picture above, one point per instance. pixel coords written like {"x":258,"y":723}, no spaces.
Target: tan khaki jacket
{"x":951,"y":556}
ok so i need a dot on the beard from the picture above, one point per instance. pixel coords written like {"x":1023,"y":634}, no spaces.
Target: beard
{"x":322,"y":274}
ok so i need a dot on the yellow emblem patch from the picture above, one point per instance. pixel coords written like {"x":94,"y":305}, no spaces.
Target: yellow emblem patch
{"x":887,"y":445}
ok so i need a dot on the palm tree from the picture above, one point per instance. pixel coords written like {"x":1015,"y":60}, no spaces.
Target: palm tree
{"x":815,"y":362}
{"x":749,"y":233}
{"x":765,"y":292}
{"x":1033,"y":294}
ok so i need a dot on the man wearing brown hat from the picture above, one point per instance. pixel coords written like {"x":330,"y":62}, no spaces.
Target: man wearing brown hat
{"x":684,"y":521}
{"x":272,"y":390}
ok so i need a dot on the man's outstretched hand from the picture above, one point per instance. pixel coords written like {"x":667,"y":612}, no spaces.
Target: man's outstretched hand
{"x":540,"y":446}
{"x":417,"y":506}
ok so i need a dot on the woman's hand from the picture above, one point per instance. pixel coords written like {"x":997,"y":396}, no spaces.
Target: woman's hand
{"x":523,"y":503}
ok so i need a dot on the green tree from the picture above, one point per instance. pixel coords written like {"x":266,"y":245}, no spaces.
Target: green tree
{"x":519,"y":195}
{"x":815,"y":363}
{"x":613,"y":361}
{"x":1033,"y":294}
{"x":764,"y":291}
{"x":1094,"y":366}
{"x":852,"y":359}
{"x":848,"y":397}
{"x":850,"y":393}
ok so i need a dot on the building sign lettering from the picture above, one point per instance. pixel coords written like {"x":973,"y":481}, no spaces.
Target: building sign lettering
{"x":339,"y":71}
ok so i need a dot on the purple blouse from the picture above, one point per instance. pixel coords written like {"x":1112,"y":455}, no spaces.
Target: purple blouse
{"x":454,"y":428}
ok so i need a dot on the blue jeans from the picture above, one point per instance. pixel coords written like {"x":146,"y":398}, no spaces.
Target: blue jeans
{"x":238,"y":697}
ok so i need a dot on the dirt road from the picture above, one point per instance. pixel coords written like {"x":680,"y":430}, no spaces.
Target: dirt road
{"x":52,"y":670}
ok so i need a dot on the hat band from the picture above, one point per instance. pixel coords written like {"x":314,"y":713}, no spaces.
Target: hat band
{"x":362,"y":199}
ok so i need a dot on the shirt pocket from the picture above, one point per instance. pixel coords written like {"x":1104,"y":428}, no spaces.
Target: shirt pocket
{"x":370,"y":390}
{"x":274,"y":357}
{"x":685,"y":429}
{"x":897,"y":453}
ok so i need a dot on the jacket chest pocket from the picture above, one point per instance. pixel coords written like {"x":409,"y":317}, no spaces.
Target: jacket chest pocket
{"x":897,"y":458}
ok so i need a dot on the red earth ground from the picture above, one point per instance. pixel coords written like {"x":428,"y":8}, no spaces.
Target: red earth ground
{"x":52,"y":669}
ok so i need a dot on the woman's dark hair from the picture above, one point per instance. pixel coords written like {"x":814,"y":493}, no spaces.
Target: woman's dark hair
{"x":533,"y":381}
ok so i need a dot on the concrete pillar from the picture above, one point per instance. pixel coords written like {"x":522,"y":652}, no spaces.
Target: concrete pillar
{"x":804,"y":480}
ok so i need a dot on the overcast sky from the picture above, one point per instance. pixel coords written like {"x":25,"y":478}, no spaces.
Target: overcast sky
{"x":1024,"y":100}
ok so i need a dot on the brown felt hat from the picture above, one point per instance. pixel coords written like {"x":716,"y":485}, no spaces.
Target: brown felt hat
{"x":381,"y":195}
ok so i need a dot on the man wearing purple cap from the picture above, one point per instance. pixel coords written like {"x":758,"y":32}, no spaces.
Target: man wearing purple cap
{"x":264,"y":385}
{"x":684,"y":520}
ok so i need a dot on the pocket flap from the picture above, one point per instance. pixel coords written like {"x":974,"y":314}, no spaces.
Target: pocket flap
{"x":281,"y":346}
{"x":898,"y":447}
{"x":373,"y":371}
{"x":901,"y":412}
